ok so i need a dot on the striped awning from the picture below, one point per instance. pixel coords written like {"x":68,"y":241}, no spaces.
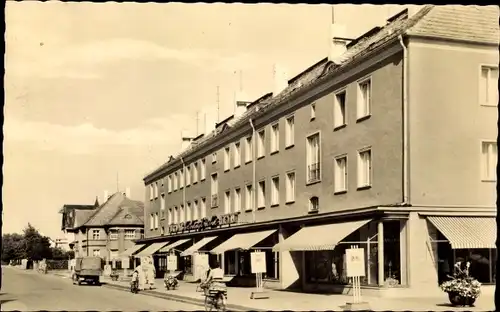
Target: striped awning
{"x":243,"y":241}
{"x":174,"y":244}
{"x":467,"y":232}
{"x":151,"y":249}
{"x":319,"y":237}
{"x":197,"y":246}
{"x":129,"y":252}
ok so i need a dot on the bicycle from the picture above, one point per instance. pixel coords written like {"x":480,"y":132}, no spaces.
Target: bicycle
{"x":215,"y":296}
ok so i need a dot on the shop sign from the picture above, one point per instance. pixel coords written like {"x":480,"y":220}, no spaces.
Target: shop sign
{"x":204,"y":224}
{"x":258,"y":262}
{"x":355,"y":262}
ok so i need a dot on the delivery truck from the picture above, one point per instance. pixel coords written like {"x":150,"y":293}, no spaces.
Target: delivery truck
{"x":88,"y":270}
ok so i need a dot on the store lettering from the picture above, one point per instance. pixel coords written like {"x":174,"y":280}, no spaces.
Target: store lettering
{"x":204,"y":224}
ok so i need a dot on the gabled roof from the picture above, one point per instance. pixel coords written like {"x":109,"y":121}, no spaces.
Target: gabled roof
{"x":115,"y":209}
{"x":77,"y":207}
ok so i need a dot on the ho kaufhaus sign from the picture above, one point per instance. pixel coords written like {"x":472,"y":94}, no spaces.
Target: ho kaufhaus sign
{"x":204,"y":224}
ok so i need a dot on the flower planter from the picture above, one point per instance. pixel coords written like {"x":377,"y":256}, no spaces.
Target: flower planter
{"x":459,"y":300}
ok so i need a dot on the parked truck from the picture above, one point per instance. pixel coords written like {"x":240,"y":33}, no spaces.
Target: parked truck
{"x":88,"y":270}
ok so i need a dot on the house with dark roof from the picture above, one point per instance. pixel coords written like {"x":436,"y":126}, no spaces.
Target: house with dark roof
{"x":389,"y":145}
{"x":105,"y":230}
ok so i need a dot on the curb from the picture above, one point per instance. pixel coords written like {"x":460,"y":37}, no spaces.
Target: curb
{"x":178,"y":298}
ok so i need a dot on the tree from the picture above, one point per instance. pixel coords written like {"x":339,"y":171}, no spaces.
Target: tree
{"x":37,"y":246}
{"x":13,"y":247}
{"x":61,"y":254}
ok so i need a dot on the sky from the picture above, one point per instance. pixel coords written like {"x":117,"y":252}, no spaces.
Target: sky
{"x":96,"y":95}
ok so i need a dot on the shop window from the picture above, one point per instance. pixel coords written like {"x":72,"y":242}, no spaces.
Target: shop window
{"x":482,"y":263}
{"x":272,"y":265}
{"x":244,"y":265}
{"x":188,"y":264}
{"x":230,"y":263}
{"x":392,"y":252}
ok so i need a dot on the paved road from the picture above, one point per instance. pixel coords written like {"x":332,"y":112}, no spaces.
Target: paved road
{"x":30,"y":291}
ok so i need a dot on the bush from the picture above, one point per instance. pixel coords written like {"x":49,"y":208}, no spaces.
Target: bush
{"x":57,"y":264}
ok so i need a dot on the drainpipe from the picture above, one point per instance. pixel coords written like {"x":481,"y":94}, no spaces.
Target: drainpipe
{"x":406,"y":189}
{"x":254,"y":204}
{"x":184,"y":188}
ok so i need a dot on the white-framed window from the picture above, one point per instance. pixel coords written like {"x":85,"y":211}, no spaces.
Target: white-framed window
{"x":195,"y":172}
{"x":364,"y":98}
{"x":96,"y":234}
{"x":275,"y":191}
{"x":290,"y":131}
{"x":203,"y":168}
{"x":176,"y":181}
{"x":195,"y":210}
{"x":156,"y":221}
{"x":151,"y":192}
{"x":364,"y":167}
{"x":227,"y":202}
{"x":181,"y":178}
{"x":237,"y":199}
{"x":340,"y":173}
{"x":113,"y":234}
{"x":237,"y":155}
{"x":156,"y":190}
{"x":170,"y":219}
{"x":248,"y":149}
{"x":129,"y":234}
{"x":151,"y":222}
{"x":169,"y":183}
{"x":188,"y":211}
{"x":488,"y":86}
{"x":182,"y":214}
{"x":248,"y":197}
{"x":227,"y":158}
{"x":313,"y":111}
{"x":96,"y":252}
{"x":339,"y":113}
{"x":162,"y":205}
{"x":261,"y":195}
{"x":275,"y":138}
{"x":203,"y":208}
{"x":314,"y":204}
{"x":489,"y":153}
{"x":313,"y":158}
{"x":214,"y":190}
{"x":176,"y":215}
{"x":188,"y":175}
{"x":214,"y":157}
{"x":261,"y":143}
{"x":290,"y":187}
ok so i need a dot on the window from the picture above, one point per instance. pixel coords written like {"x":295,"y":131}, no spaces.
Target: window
{"x":339,"y":116}
{"x":151,"y":192}
{"x":176,"y":215}
{"x":340,"y":174}
{"x":214,"y":157}
{"x":313,"y":111}
{"x":275,"y":191}
{"x":275,"y":138}
{"x":188,"y":212}
{"x":290,"y":131}
{"x":195,"y":173}
{"x":96,"y":252}
{"x":214,"y":190}
{"x":248,"y":149}
{"x":169,"y":219}
{"x":489,"y":161}
{"x":96,"y":234}
{"x":249,"y":197}
{"x":364,"y":168}
{"x":162,"y":207}
{"x":290,"y":187}
{"x":313,"y":204}
{"x":151,"y":222}
{"x":237,"y":155}
{"x":162,"y":230}
{"x":364,"y":98}
{"x":261,"y":195}
{"x":313,"y":158}
{"x":182,"y":214}
{"x":227,"y":164}
{"x":129,"y":234}
{"x":203,"y":170}
{"x":176,"y":180}
{"x":237,"y":200}
{"x":113,"y":235}
{"x":261,"y":139}
{"x":195,"y":210}
{"x":156,"y":190}
{"x":203,"y":208}
{"x":489,"y":86}
{"x":227,"y":202}
{"x":188,"y":175}
{"x":169,"y":183}
{"x":156,"y":221}
{"x":181,"y":178}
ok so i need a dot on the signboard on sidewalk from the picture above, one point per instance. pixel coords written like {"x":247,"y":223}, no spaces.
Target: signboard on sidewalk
{"x":258,"y":262}
{"x":355,"y":262}
{"x":172,"y":262}
{"x":125,"y":263}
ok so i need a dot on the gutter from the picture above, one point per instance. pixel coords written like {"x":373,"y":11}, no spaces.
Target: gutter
{"x":406,"y":182}
{"x":184,"y":188}
{"x":254,"y":204}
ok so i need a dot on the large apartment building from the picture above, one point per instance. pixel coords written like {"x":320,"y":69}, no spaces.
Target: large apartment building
{"x":390,"y":145}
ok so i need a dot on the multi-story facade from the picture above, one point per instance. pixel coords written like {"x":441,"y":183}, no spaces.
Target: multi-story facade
{"x":105,"y":230}
{"x":391,"y":146}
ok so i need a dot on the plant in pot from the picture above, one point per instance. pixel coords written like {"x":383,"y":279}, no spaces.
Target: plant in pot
{"x":114,"y":275}
{"x":462,"y":289}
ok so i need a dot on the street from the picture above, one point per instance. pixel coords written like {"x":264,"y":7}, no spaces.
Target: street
{"x":30,"y":291}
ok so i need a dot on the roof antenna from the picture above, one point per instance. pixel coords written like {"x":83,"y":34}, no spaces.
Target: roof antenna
{"x":241,"y":80}
{"x":197,"y":121}
{"x":218,"y":105}
{"x":333,"y":14}
{"x":117,"y":183}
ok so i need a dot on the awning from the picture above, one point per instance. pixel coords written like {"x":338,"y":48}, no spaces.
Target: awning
{"x":129,"y":252}
{"x":242,"y":241}
{"x":467,"y":232}
{"x":197,"y":246}
{"x":150,"y":250}
{"x":174,"y":244}
{"x":319,"y":237}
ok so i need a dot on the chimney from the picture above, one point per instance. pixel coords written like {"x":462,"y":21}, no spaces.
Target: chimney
{"x":337,"y":40}
{"x":127,"y":192}
{"x":186,"y":140}
{"x":241,"y":100}
{"x":280,"y":78}
{"x":106,"y":195}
